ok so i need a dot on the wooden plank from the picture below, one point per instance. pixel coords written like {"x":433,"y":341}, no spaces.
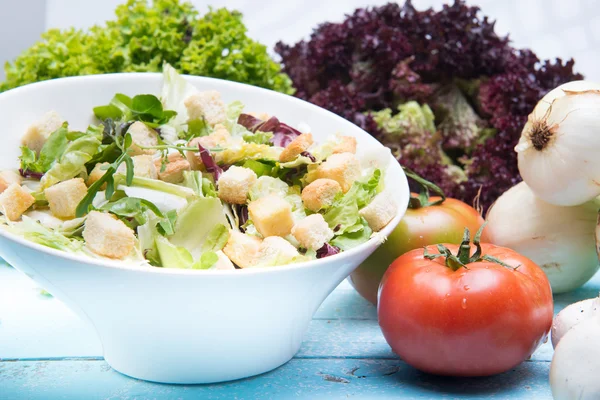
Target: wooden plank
{"x":299,"y":379}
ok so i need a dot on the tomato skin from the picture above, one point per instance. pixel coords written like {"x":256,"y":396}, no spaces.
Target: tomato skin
{"x":479,"y":321}
{"x":444,"y":223}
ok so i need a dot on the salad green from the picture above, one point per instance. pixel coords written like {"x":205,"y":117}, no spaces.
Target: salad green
{"x":187,"y":181}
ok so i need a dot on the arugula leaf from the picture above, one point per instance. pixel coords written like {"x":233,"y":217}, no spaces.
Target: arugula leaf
{"x":51,"y":151}
{"x":108,"y":153}
{"x":109,"y":111}
{"x":144,"y":107}
{"x":132,"y":207}
{"x":166,"y":226}
{"x":147,"y":105}
{"x":195,"y":128}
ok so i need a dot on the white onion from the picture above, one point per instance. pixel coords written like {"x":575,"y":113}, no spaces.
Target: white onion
{"x":571,"y":316}
{"x":561,"y":240}
{"x":576,"y":362}
{"x":559,"y":146}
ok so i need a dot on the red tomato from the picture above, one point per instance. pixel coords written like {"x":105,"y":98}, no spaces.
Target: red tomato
{"x":475,"y":321}
{"x":418,"y":228}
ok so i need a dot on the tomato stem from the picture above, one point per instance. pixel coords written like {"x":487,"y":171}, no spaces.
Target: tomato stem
{"x":463,"y":256}
{"x":422,"y":199}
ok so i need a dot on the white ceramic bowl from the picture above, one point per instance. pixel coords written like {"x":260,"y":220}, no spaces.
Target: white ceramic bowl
{"x":183,"y":326}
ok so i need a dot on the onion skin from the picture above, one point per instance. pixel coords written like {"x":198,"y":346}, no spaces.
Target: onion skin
{"x":576,"y":362}
{"x":557,"y":151}
{"x":561,"y":240}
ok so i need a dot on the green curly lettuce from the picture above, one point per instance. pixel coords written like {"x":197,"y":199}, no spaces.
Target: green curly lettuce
{"x":143,"y":37}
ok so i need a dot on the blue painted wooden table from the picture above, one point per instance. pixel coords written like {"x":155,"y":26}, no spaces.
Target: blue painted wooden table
{"x":46,"y":352}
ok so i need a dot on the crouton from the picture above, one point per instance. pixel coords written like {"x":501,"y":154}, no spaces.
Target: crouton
{"x":312,"y":232}
{"x":207,"y":105}
{"x":271,"y":215}
{"x":242,"y":249}
{"x":260,"y":115}
{"x":174,"y":168}
{"x":7,"y":178}
{"x":37,"y":134}
{"x":64,"y":197}
{"x":143,"y":166}
{"x":346,"y":144}
{"x":142,"y":135}
{"x":235,"y":183}
{"x":107,"y":236}
{"x":274,"y":249}
{"x":223,"y":263}
{"x":297,"y":146}
{"x":320,"y":194}
{"x":14,"y":201}
{"x":97,"y":173}
{"x":219,"y":137}
{"x":343,"y":168}
{"x":380,"y":211}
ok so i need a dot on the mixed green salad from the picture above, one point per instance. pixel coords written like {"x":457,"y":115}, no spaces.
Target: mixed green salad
{"x":187,"y":181}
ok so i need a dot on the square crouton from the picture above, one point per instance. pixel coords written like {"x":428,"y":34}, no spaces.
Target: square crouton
{"x":9,"y":177}
{"x":174,"y":168}
{"x":346,"y":144}
{"x":296,"y":146}
{"x":207,"y":105}
{"x":143,"y":166}
{"x":343,"y":168}
{"x":320,"y":194}
{"x":271,"y":215}
{"x":218,"y":138}
{"x":275,"y":249}
{"x":97,"y":173}
{"x":142,"y":135}
{"x":235,"y":183}
{"x":107,"y":236}
{"x":312,"y":232}
{"x":380,"y":211}
{"x":242,"y":249}
{"x":64,"y":197}
{"x":36,"y":135}
{"x":14,"y":201}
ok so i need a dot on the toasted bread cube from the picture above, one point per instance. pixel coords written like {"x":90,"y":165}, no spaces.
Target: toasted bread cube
{"x":271,"y":215}
{"x":14,"y":201}
{"x":260,"y":115}
{"x":143,"y":166}
{"x":207,"y":105}
{"x":107,"y":236}
{"x":235,"y":183}
{"x":7,"y":178}
{"x":380,"y":211}
{"x":346,"y":144}
{"x":242,"y":249}
{"x":97,"y":173}
{"x":275,"y":248}
{"x":64,"y":197}
{"x":37,"y":134}
{"x":320,"y":194}
{"x":219,"y":137}
{"x":343,"y":168}
{"x":174,"y":168}
{"x":142,"y":135}
{"x":223,"y":263}
{"x":312,"y":232}
{"x":297,"y":146}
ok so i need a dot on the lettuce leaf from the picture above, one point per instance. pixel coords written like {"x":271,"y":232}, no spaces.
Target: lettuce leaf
{"x":241,"y":151}
{"x":202,"y":186}
{"x":51,"y":151}
{"x":72,"y":161}
{"x":175,"y":90}
{"x":266,"y":185}
{"x":350,"y":240}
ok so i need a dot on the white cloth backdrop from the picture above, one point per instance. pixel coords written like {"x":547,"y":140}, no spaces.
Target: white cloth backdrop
{"x":550,"y":27}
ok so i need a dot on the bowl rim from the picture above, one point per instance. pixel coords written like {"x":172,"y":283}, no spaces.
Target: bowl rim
{"x":341,"y":257}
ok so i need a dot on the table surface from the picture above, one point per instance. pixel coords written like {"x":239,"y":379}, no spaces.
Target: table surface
{"x":46,"y":352}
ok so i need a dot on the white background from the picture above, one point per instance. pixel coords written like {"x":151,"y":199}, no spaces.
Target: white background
{"x":564,"y":28}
